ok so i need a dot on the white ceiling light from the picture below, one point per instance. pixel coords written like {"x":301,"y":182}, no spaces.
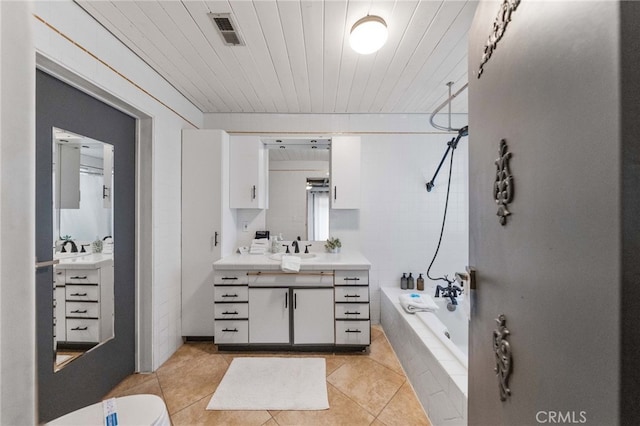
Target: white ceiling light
{"x":368,"y":34}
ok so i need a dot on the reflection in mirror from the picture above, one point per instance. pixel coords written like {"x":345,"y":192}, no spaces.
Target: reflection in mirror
{"x":298,"y":202}
{"x":83,"y":235}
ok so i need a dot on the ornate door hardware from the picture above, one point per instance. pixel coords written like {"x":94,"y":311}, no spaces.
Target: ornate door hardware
{"x":504,"y":362}
{"x":503,"y":186}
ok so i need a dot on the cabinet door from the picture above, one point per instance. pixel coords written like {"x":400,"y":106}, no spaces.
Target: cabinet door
{"x":248,"y":185}
{"x":313,"y":316}
{"x":202,"y":180}
{"x":269,"y":315}
{"x":345,"y":172}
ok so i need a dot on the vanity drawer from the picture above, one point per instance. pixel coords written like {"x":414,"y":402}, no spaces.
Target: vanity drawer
{"x":231,"y":310}
{"x":359,"y":277}
{"x":83,"y":330}
{"x":352,"y":294}
{"x":285,"y":279}
{"x":82,"y":310}
{"x":230,"y":277}
{"x":83,"y":276}
{"x":59,"y":277}
{"x":231,"y":294}
{"x":352,"y":311}
{"x":231,"y":332}
{"x":353,"y":333}
{"x":82,"y":293}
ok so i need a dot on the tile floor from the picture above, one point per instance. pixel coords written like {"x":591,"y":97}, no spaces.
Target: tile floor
{"x":364,"y":389}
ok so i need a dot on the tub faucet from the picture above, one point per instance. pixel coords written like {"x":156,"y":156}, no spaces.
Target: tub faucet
{"x":451,"y":291}
{"x":74,"y":247}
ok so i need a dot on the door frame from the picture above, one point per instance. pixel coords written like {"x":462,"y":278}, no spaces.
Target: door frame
{"x":144,"y":210}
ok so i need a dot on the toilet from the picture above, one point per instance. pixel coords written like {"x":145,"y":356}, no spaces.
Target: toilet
{"x":139,"y":410}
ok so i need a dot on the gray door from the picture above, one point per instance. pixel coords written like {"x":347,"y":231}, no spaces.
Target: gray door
{"x":87,"y":379}
{"x":550,"y":90}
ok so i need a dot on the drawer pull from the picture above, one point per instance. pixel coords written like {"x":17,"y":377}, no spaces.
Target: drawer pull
{"x":352,"y":313}
{"x":229,"y":295}
{"x":80,"y":328}
{"x":78,"y":278}
{"x":229,"y":278}
{"x":78,"y":311}
{"x":348,"y":330}
{"x":230,"y":313}
{"x":78,"y":294}
{"x":351,"y":279}
{"x":351,"y":295}
{"x":229,"y":330}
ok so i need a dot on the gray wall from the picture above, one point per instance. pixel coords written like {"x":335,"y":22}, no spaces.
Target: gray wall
{"x":551,"y":89}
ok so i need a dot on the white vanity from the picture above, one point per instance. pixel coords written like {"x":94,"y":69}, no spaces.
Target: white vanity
{"x":324,"y":305}
{"x":83,"y":300}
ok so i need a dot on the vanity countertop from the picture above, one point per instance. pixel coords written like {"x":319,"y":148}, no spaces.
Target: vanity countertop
{"x":323,"y":261}
{"x":87,"y":261}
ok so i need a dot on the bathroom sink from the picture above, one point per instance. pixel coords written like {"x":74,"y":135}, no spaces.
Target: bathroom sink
{"x":303,"y":256}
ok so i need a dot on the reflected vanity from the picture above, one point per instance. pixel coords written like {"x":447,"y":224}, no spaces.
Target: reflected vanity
{"x":83,"y":296}
{"x":298,"y":187}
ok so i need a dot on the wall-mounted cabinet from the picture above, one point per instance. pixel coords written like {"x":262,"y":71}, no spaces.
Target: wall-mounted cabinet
{"x":208,"y":224}
{"x":249,"y":173}
{"x":345,"y":172}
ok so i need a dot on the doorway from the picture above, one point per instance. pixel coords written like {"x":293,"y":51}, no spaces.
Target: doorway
{"x":92,"y":375}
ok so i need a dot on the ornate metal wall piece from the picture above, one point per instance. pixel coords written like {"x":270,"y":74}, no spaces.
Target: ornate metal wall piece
{"x":507,"y":7}
{"x":503,"y":186}
{"x":504,"y":362}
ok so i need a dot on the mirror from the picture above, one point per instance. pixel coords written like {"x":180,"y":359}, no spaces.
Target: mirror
{"x":298,"y":187}
{"x":83,"y":234}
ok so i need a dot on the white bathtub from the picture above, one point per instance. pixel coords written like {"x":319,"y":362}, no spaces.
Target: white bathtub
{"x":452,"y":328}
{"x":435,"y":366}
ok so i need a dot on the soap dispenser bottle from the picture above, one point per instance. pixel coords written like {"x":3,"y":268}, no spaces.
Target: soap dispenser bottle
{"x":420,"y":283}
{"x":403,"y":281}
{"x":410,"y":282}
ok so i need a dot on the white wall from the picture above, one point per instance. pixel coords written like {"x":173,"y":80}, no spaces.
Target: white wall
{"x":398,"y":226}
{"x":123,"y":76}
{"x":17,"y":216}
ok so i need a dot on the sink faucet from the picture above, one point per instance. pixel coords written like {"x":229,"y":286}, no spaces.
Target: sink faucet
{"x":74,"y":247}
{"x":294,"y":243}
{"x":306,"y":248}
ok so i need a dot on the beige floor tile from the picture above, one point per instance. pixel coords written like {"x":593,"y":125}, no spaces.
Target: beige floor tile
{"x":376,"y":332}
{"x":191,"y":380}
{"x":343,"y":411}
{"x":196,"y":414}
{"x":377,"y":422}
{"x":382,"y":352}
{"x":132,"y":381}
{"x":271,"y":422}
{"x":150,"y":386}
{"x":404,"y":409}
{"x":367,"y":382}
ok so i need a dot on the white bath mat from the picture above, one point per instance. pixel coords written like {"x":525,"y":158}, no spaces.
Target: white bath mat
{"x":272,"y":384}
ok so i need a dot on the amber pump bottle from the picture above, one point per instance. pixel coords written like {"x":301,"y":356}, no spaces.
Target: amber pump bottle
{"x":420,"y":283}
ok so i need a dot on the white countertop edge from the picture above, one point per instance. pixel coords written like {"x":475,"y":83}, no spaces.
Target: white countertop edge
{"x":323,"y":261}
{"x":89,"y":261}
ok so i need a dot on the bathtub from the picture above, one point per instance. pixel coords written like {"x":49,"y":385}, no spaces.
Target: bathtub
{"x":436,"y":366}
{"x":452,"y":328}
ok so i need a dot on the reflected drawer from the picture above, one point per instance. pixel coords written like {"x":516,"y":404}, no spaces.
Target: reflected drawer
{"x":352,"y":294}
{"x":231,"y":332}
{"x":83,"y":330}
{"x":360,"y":277}
{"x":82,"y":292}
{"x":353,"y":333}
{"x":231,"y":310}
{"x":231,"y":294}
{"x":82,"y":309}
{"x":352,"y":311}
{"x":82,"y":276}
{"x":230,"y":277}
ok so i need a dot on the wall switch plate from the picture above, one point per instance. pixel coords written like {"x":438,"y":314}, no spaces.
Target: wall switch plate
{"x":245,"y":226}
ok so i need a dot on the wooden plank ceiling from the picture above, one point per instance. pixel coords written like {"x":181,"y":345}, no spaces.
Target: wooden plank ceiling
{"x":297,"y":57}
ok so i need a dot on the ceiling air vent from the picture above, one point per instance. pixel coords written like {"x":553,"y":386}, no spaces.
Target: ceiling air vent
{"x":227,"y":29}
